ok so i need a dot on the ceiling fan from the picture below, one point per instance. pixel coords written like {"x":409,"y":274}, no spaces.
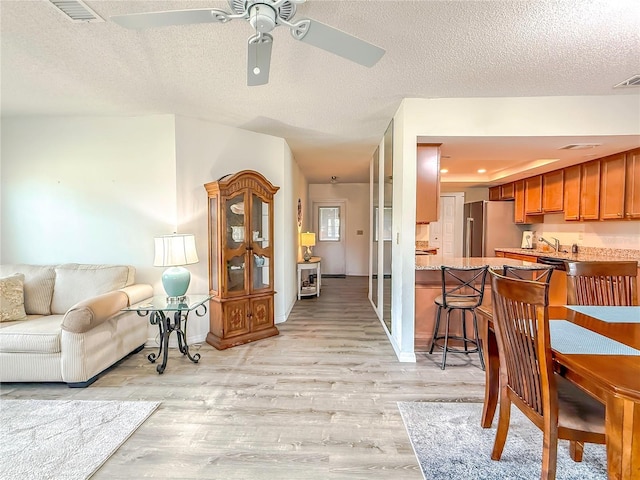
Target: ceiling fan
{"x":264,"y":16}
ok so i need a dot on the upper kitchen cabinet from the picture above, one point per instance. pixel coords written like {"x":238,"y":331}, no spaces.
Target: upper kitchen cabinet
{"x":612,"y":187}
{"x":502,"y":192}
{"x":572,"y":192}
{"x":507,"y":191}
{"x":519,"y":205}
{"x":533,"y":195}
{"x":632,"y":197}
{"x":553,"y":191}
{"x":590,"y":190}
{"x":428,"y":183}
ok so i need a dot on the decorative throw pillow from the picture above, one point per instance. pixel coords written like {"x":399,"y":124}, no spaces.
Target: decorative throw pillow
{"x":12,"y":298}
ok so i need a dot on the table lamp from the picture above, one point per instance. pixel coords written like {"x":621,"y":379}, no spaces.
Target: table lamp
{"x":308,"y":240}
{"x":173,"y":251}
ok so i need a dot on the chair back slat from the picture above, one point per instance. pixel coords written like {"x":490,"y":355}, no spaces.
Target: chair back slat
{"x":602,"y":283}
{"x":522,"y":326}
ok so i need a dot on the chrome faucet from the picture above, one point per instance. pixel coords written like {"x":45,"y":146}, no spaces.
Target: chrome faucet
{"x":555,"y":245}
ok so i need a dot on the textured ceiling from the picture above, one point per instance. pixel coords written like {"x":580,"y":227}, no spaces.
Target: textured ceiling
{"x":331,"y":112}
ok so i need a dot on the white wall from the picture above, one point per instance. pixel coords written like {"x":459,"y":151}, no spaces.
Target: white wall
{"x":539,"y":116}
{"x":356,"y":196}
{"x":87,"y":190}
{"x":97,"y":190}
{"x":298,"y":189}
{"x":611,"y":234}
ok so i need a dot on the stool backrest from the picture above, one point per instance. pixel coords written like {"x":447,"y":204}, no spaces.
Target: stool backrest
{"x":463,"y":284}
{"x":536,"y":274}
{"x":602,"y":283}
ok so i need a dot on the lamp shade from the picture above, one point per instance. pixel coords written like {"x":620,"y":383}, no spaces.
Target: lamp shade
{"x":176,"y":249}
{"x":308,"y":239}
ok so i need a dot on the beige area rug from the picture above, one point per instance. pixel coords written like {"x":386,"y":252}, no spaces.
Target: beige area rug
{"x":64,"y":440}
{"x":450,"y":444}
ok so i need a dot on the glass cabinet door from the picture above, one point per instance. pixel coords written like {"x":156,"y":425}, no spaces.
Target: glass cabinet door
{"x":236,"y":244}
{"x":261,"y":249}
{"x":213,"y":245}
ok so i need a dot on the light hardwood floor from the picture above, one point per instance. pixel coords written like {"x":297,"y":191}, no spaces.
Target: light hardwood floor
{"x":316,"y":402}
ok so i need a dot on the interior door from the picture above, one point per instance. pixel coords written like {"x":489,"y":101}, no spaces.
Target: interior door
{"x":329,"y":222}
{"x":443,"y":233}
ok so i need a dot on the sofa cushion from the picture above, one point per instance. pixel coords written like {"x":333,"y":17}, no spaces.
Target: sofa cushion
{"x":38,"y":286}
{"x":37,"y":334}
{"x":12,"y":298}
{"x":76,"y":282}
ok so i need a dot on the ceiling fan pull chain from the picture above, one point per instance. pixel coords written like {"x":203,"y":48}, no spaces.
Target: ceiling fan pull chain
{"x":256,"y":69}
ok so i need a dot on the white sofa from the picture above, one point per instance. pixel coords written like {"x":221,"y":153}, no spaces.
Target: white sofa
{"x":72,"y":327}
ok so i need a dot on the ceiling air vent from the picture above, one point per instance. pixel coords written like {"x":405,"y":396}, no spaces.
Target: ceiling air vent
{"x":629,"y":82}
{"x":76,"y":11}
{"x":580,"y":146}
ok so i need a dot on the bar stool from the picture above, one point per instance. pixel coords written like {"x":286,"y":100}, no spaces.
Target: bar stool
{"x":462,"y":289}
{"x":536,"y":274}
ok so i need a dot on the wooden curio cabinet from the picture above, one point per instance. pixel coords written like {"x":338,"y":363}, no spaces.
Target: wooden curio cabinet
{"x":240,"y":259}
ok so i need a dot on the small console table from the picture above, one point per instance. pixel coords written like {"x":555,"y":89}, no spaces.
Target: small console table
{"x":309,"y":284}
{"x":161,"y":309}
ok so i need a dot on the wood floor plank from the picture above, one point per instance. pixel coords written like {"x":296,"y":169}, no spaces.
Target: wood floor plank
{"x":316,"y":402}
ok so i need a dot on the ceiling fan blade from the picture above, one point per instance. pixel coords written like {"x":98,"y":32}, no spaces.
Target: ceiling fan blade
{"x":171,"y":17}
{"x":338,"y":42}
{"x":259,"y":59}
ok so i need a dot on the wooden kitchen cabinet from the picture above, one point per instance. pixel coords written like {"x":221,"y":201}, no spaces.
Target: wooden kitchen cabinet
{"x":612,"y":187}
{"x":533,"y":195}
{"x":553,"y":191}
{"x":572,"y":192}
{"x":240,"y":259}
{"x":507,"y":191}
{"x":632,"y":188}
{"x":590,"y":190}
{"x":520,"y":216}
{"x":428,"y":183}
{"x":494,"y":193}
{"x":519,"y":256}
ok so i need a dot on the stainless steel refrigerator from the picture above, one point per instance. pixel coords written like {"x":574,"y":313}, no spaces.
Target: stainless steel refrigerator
{"x":489,"y":225}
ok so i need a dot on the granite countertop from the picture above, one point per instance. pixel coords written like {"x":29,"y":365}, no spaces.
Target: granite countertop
{"x":586,"y":255}
{"x":434,"y":262}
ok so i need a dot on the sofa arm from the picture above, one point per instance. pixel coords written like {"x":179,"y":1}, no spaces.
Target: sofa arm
{"x":85,"y":315}
{"x":138,"y":292}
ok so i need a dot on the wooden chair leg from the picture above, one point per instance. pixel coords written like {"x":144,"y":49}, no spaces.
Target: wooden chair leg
{"x":576,"y":450}
{"x":549,"y":455}
{"x":504,"y":417}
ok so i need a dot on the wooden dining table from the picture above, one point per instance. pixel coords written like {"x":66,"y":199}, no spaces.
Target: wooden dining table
{"x":610,"y":375}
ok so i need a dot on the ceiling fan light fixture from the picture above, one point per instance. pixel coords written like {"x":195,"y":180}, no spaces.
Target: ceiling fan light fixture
{"x":262,"y":17}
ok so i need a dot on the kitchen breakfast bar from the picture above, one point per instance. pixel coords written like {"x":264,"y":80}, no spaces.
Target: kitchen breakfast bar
{"x":429,"y":286}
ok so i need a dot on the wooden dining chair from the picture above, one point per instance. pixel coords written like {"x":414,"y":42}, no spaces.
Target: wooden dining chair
{"x":527,"y":379}
{"x":602,"y":283}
